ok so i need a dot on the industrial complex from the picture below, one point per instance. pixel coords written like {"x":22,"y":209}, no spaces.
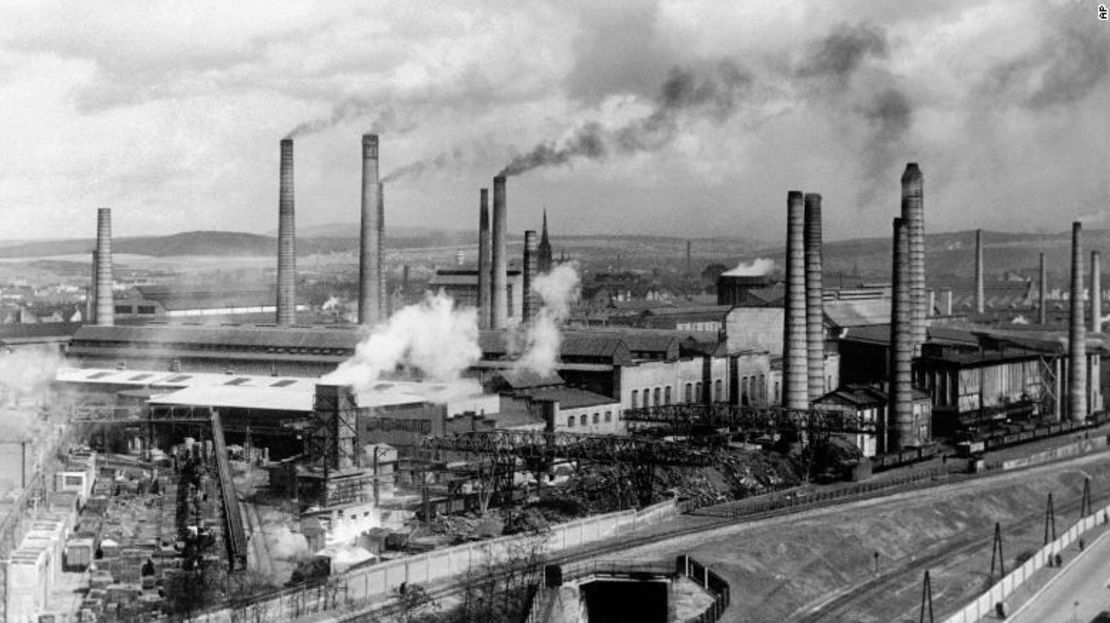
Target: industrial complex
{"x":219,"y":457}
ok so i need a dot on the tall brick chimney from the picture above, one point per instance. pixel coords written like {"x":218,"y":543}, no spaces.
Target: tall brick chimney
{"x":105,"y":303}
{"x":287,"y":240}
{"x":369,"y":311}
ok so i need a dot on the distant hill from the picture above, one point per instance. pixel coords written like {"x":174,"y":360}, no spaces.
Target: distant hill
{"x":951,"y":255}
{"x":224,"y":243}
{"x":189,"y":243}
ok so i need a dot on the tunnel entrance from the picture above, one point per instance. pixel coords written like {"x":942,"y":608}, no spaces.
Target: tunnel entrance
{"x":623,"y":601}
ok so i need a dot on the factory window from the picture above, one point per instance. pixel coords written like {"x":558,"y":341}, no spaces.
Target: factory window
{"x":777,"y":390}
{"x":745,"y":390}
{"x":608,"y":416}
{"x":689,"y":392}
{"x":597,"y":418}
{"x":762,"y":387}
{"x":657,"y":403}
{"x":635,"y":398}
{"x":647,"y":397}
{"x":123,"y":309}
{"x":667,"y":394}
{"x":697,"y":391}
{"x":146,"y":309}
{"x":582,"y":420}
{"x":570,"y":422}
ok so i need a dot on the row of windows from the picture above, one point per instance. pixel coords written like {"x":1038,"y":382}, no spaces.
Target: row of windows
{"x":752,"y":389}
{"x":230,"y":349}
{"x":693,"y":393}
{"x":141,"y":309}
{"x":583,"y":419}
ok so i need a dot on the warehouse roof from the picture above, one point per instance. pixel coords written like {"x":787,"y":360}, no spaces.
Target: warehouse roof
{"x":857,"y":313}
{"x":228,"y":335}
{"x":173,"y":299}
{"x":567,"y":397}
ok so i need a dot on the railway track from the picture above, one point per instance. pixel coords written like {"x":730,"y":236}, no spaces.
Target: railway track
{"x":912,"y":569}
{"x":454,"y":587}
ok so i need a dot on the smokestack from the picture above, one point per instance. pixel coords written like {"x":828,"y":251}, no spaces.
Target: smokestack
{"x":689,"y":253}
{"x":90,"y":299}
{"x":105,"y":305}
{"x":383,"y":288}
{"x":795,"y":370}
{"x":1096,"y":292}
{"x":978,"y":271}
{"x":901,"y":342}
{"x":1042,"y":296}
{"x":815,"y":308}
{"x":913,"y":211}
{"x":368,"y":267}
{"x":946,"y":301}
{"x":287,"y":241}
{"x":484,"y":272}
{"x":531,"y":305}
{"x":1077,"y":334}
{"x":498,"y":260}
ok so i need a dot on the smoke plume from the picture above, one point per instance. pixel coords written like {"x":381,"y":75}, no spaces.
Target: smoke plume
{"x":712,"y":94}
{"x":349,"y":110}
{"x":284,"y":544}
{"x":557,"y":289}
{"x":26,"y":374}
{"x":889,"y":115}
{"x":755,"y":268}
{"x":472,"y":153}
{"x":841,"y":52}
{"x":431,"y":337}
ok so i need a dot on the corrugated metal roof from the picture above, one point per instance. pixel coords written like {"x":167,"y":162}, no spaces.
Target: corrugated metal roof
{"x":239,"y":397}
{"x":344,"y":337}
{"x":857,"y":313}
{"x":17,"y":331}
{"x":567,"y":397}
{"x":174,"y":299}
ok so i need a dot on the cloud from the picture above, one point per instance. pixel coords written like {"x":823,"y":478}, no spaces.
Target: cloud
{"x":693,"y":116}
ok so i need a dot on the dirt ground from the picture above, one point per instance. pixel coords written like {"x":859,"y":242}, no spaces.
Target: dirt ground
{"x":820,"y":565}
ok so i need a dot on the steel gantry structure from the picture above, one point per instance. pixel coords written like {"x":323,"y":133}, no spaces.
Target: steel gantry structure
{"x":815,"y":422}
{"x":205,"y":418}
{"x":534,"y":450}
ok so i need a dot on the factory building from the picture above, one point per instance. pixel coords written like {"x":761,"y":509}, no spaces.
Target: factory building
{"x":284,"y":351}
{"x":461,"y":284}
{"x":978,"y":376}
{"x":162,"y":303}
{"x":870,"y":406}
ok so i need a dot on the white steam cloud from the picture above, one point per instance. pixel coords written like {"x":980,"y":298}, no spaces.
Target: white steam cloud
{"x":284,"y":544}
{"x":431,"y":337}
{"x":557,"y":289}
{"x":755,"y":268}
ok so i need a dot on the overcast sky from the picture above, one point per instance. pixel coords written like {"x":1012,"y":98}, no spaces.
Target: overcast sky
{"x":691,"y":118}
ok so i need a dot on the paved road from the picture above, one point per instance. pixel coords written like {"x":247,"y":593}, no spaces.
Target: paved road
{"x":1079,"y":593}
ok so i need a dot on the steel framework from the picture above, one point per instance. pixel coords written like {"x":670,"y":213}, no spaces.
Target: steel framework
{"x":768,"y":419}
{"x":511,"y":450}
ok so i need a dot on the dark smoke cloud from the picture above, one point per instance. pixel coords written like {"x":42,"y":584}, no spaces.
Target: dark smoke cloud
{"x":473,"y":153}
{"x":842,"y":51}
{"x":384,"y":119}
{"x":588,"y":142}
{"x":713,"y":94}
{"x":889,"y":115}
{"x":1070,"y":61}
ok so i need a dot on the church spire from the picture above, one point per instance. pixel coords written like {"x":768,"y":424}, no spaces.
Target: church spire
{"x":543,"y":250}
